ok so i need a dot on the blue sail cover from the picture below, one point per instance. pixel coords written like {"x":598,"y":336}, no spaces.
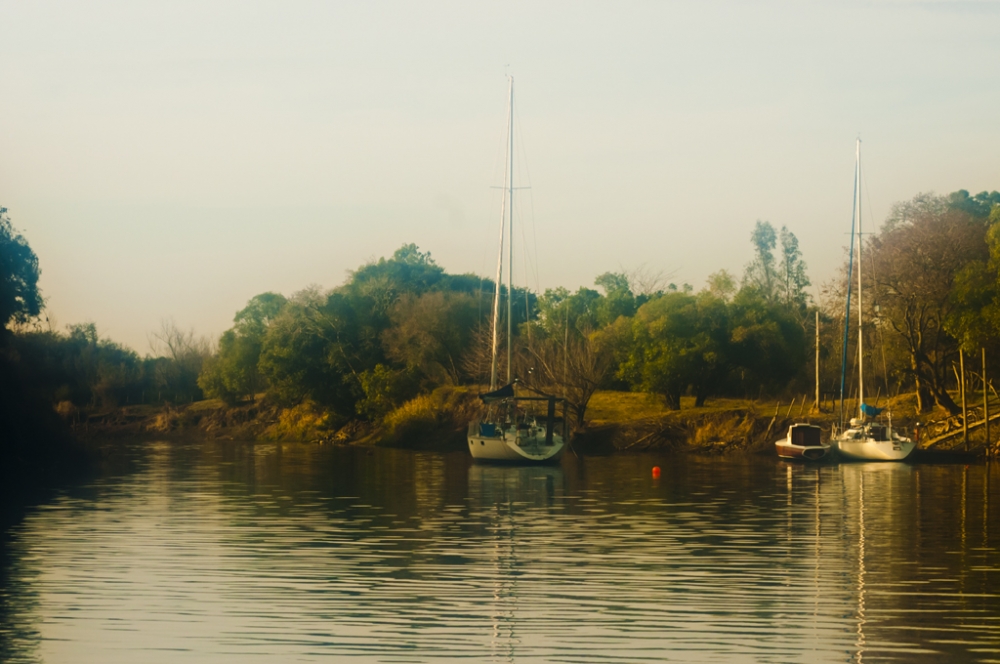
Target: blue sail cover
{"x":870,"y":411}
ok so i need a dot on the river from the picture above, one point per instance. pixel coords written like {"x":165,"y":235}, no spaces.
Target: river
{"x":261,"y":552}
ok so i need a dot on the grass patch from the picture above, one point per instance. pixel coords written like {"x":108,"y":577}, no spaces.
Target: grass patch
{"x":303,"y":422}
{"x":437,"y":420}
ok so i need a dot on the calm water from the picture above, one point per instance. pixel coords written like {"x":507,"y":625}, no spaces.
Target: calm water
{"x":231,"y":552}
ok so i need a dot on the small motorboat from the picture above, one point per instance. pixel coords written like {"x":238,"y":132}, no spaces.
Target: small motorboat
{"x":802,"y":442}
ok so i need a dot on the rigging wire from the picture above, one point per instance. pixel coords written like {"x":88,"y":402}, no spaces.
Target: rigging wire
{"x":531,"y":205}
{"x":498,"y":166}
{"x":881,"y":337}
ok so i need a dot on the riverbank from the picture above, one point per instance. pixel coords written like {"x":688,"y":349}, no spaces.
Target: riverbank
{"x":435,"y":421}
{"x":617,"y":422}
{"x":39,"y":448}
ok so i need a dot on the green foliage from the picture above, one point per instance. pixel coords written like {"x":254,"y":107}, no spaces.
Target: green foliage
{"x":312,"y":350}
{"x":586,"y":310}
{"x":979,"y":205}
{"x":975,"y":319}
{"x":768,"y":345}
{"x":792,"y":279}
{"x":675,"y":343}
{"x":233,"y":373}
{"x":722,"y":285}
{"x":920,"y":254}
{"x":429,"y":333}
{"x":20,"y":299}
{"x":781,"y":281}
{"x":409,"y":270}
{"x":760,"y":274}
{"x":385,"y":390}
{"x":81,"y":368}
{"x":559,"y":311}
{"x":618,"y":300}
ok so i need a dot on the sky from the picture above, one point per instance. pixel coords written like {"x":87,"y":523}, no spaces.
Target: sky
{"x":169,"y":161}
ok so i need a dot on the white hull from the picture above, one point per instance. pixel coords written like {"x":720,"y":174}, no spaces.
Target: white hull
{"x":522,"y":450}
{"x":875,"y":450}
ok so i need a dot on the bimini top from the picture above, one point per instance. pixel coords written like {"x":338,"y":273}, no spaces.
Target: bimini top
{"x":505,"y":392}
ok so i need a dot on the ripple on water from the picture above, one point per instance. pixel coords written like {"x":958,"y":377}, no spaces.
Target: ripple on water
{"x":220,"y":552}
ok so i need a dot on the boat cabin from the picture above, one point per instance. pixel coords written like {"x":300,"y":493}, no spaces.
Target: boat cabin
{"x":805,"y":435}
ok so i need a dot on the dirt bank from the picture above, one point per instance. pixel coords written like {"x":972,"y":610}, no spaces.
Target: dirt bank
{"x":617,"y":422}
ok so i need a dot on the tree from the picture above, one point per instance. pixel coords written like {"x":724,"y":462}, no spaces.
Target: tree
{"x":384,"y":390}
{"x":409,"y":270}
{"x":317,"y":348}
{"x":182,"y":355}
{"x":760,"y":274}
{"x":979,"y":205}
{"x":233,"y":373}
{"x":792,"y":279}
{"x":767,"y":343}
{"x":975,"y":319}
{"x":431,"y":333}
{"x":675,"y":343}
{"x":918,"y":254}
{"x":577,"y":365}
{"x":20,"y":299}
{"x":722,"y":285}
{"x":618,"y":300}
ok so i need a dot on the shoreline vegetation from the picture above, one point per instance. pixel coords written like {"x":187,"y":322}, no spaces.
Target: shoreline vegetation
{"x":397,"y":354}
{"x":620,"y":423}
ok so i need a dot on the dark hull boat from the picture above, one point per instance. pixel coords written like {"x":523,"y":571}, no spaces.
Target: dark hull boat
{"x":802,"y":442}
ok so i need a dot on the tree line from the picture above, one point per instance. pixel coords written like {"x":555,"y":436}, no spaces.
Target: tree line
{"x":401,"y":326}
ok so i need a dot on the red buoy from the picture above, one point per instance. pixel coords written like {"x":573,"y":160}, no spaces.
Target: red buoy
{"x":656,"y":472}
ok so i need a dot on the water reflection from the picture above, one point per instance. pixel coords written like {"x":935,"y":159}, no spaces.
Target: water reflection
{"x":504,"y":493}
{"x":225,"y":551}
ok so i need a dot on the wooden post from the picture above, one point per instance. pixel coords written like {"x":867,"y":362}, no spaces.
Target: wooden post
{"x":965,"y":410}
{"x":986,"y":402}
{"x":817,"y":361}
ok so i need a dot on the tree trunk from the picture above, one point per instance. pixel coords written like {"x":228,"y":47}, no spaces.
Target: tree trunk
{"x":922,"y":393}
{"x":943,"y":399}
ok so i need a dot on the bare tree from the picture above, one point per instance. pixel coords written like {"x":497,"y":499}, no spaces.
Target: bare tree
{"x":911,"y":267}
{"x":576,"y":365}
{"x":184,"y":354}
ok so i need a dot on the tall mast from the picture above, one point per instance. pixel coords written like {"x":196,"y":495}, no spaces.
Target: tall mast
{"x":861,"y":346}
{"x":510,"y":218}
{"x":850,"y":274}
{"x":507,"y":186}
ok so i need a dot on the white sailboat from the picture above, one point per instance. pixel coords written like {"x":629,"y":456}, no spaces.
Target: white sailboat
{"x":508,"y":433}
{"x":864,"y":439}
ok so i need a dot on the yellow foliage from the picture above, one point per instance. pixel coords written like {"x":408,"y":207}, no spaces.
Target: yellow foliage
{"x":446,"y":408}
{"x":302,"y":422}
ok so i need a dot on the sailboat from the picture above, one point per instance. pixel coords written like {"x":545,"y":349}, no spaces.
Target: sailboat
{"x":509,"y":432}
{"x":864,"y":439}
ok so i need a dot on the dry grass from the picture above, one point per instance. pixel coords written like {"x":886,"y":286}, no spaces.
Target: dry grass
{"x":440,"y":416}
{"x":609,"y":407}
{"x":303,"y":422}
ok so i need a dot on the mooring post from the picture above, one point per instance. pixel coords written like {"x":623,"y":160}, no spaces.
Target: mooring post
{"x":817,"y":362}
{"x":965,"y":411}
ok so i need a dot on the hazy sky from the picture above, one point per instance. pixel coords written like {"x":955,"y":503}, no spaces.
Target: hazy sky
{"x":175,"y":159}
